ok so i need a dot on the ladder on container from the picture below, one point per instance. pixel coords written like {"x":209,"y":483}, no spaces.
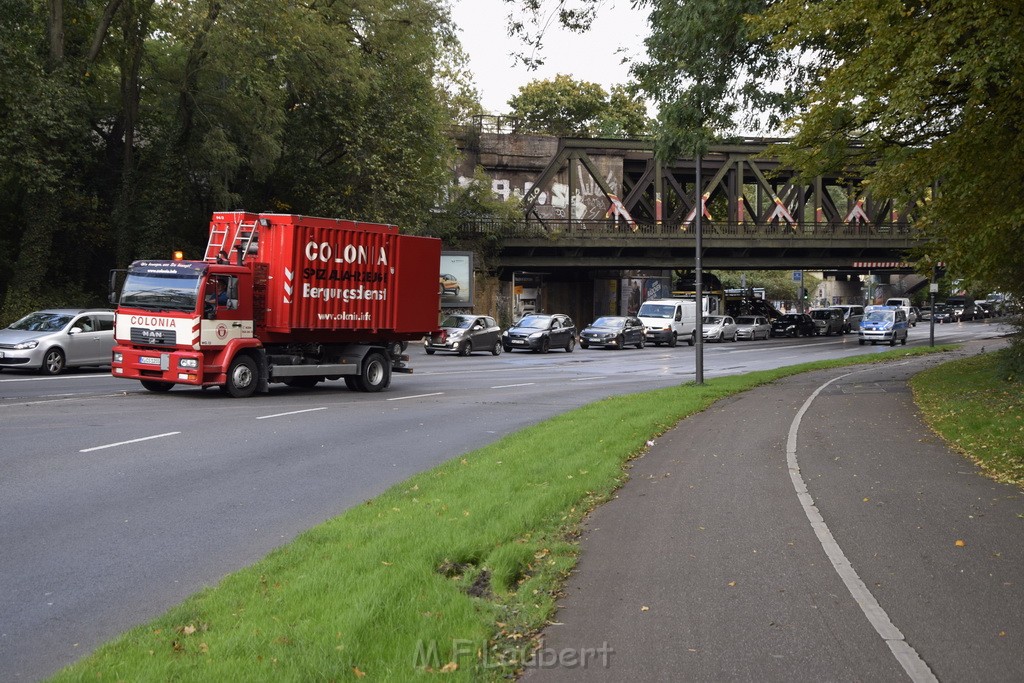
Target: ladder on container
{"x":225,"y":240}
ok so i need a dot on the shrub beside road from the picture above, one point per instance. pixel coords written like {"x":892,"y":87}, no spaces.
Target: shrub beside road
{"x":457,"y":569}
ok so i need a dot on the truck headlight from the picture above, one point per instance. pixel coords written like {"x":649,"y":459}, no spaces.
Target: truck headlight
{"x":189,"y":363}
{"x":118,"y":357}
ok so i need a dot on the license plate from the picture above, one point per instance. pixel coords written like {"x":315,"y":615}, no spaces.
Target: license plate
{"x":519,"y":341}
{"x":147,"y":360}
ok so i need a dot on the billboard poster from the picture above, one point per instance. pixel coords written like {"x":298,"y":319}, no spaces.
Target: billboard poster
{"x":456,"y":282}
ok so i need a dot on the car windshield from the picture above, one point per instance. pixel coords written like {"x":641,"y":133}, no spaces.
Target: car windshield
{"x":821,"y":315}
{"x":744,"y":320}
{"x":609,"y":321}
{"x":879,"y":316}
{"x":42,"y":322}
{"x":713,"y":320}
{"x":790,"y":318}
{"x":538,"y":322}
{"x":457,"y":322}
{"x":657,"y":311}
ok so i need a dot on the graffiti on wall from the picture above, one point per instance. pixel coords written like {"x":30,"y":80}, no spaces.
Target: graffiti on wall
{"x":588,"y":203}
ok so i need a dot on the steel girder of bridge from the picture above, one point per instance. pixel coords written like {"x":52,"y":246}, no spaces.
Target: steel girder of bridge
{"x":756,"y":214}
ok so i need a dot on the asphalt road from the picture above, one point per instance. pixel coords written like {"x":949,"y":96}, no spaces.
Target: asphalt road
{"x":116,"y":503}
{"x":832,"y":537}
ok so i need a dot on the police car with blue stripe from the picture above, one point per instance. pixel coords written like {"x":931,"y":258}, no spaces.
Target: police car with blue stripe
{"x":886,"y":324}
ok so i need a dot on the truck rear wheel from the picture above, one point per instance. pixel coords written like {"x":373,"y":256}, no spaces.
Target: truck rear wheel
{"x":375,"y":375}
{"x":242,"y":377}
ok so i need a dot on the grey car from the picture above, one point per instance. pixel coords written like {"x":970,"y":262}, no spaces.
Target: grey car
{"x":464,"y":334}
{"x":828,"y":321}
{"x":58,"y":338}
{"x":753,"y":327}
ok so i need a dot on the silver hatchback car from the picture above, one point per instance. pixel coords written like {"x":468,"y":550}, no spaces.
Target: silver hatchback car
{"x":58,"y":338}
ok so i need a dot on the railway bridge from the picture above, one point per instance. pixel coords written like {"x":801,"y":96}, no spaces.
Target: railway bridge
{"x":604,"y":209}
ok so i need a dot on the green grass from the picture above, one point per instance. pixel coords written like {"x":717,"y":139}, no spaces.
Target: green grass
{"x":977,"y":410}
{"x":451,"y":572}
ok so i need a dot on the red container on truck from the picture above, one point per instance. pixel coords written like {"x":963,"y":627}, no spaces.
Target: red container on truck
{"x":279,"y":298}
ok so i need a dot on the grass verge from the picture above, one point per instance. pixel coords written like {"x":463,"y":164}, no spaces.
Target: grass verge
{"x":452,"y":572}
{"x":979,"y":411}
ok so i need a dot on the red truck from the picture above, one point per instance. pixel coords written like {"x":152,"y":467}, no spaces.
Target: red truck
{"x":278,"y":298}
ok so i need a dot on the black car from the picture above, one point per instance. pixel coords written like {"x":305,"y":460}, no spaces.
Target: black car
{"x":793,"y":325}
{"x":943,"y":314}
{"x":613,"y":331}
{"x":465,"y":334}
{"x":541,"y":333}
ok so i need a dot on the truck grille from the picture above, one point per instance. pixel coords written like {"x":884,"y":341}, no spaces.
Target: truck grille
{"x":152,"y":337}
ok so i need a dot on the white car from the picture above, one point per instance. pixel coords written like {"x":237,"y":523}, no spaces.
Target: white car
{"x":719,"y":328}
{"x":58,"y":338}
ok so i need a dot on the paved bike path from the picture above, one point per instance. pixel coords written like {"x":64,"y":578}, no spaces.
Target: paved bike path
{"x":706,"y":566}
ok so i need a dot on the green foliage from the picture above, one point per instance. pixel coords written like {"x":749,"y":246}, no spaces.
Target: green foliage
{"x":473,"y":218}
{"x":931,"y":95}
{"x":709,"y":74}
{"x":122,"y":148}
{"x":978,"y":408}
{"x":566,"y":107}
{"x":778,"y":284}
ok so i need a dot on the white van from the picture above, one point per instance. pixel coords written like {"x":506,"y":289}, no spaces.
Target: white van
{"x":904,"y":303}
{"x":666,"y":321}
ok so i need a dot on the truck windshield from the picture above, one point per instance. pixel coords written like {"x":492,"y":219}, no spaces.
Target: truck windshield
{"x":161,"y":292}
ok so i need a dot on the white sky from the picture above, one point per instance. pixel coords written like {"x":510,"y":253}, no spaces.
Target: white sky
{"x":591,"y":57}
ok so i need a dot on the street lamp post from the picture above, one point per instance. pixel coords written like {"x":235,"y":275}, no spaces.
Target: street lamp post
{"x":699,"y":356}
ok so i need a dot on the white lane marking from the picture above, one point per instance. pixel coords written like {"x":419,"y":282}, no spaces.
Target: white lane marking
{"x":50,"y":377}
{"x":402,"y":398}
{"x":123,"y":443}
{"x":509,"y":386}
{"x":585,"y":379}
{"x":905,"y":654}
{"x":73,"y":397}
{"x":294,"y":412}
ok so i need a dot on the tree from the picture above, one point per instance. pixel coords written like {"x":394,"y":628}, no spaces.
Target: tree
{"x":936,"y":118}
{"x":125,"y":123}
{"x":927,"y":94}
{"x":566,"y":107}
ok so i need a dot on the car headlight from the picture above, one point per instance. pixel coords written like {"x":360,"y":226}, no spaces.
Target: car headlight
{"x":536,"y":335}
{"x":31,"y":344}
{"x":191,"y":363}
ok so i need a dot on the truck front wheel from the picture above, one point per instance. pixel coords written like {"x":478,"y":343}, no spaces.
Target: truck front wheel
{"x":159,"y":387}
{"x":242,"y":377}
{"x":375,"y":375}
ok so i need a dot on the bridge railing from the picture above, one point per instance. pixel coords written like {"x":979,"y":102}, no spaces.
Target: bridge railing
{"x":611,"y":229}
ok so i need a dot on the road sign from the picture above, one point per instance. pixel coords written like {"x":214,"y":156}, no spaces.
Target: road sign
{"x":798,"y":275}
